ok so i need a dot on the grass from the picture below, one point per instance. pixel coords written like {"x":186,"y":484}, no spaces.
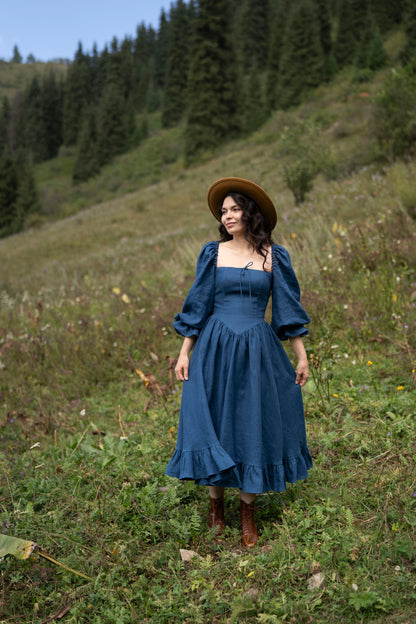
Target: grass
{"x":85,"y":318}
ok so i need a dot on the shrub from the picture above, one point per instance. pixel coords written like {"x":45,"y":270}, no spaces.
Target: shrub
{"x":394,"y":114}
{"x":305,"y":156}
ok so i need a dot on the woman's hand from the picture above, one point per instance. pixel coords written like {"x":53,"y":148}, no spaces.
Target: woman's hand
{"x":182,"y":368}
{"x":182,"y":365}
{"x":302,"y":372}
{"x":302,"y":369}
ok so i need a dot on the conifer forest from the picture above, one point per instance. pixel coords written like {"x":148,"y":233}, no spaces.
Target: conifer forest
{"x":219,"y":68}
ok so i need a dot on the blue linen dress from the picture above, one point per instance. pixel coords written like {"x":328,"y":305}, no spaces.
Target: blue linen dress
{"x":241,"y":422}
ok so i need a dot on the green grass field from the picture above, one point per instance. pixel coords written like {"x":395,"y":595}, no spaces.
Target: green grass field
{"x":90,"y":406}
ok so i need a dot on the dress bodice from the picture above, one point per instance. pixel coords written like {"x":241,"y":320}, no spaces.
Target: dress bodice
{"x":241,"y":296}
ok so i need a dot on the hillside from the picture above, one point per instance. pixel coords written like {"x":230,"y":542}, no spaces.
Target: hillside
{"x":89,"y":407}
{"x":15,"y":77}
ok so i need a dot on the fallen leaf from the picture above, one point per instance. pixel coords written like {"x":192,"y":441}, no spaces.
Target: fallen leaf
{"x":187,"y":555}
{"x":317,"y":580}
{"x":19,"y":548}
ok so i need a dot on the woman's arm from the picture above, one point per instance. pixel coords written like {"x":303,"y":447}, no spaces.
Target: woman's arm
{"x":182,"y":365}
{"x":302,"y":369}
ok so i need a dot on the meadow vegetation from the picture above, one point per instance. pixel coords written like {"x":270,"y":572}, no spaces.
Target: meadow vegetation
{"x":89,"y":404}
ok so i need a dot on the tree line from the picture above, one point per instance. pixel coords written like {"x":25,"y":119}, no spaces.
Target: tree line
{"x":220,"y":67}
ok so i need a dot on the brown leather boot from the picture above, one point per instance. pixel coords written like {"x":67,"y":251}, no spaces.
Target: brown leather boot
{"x":216,"y":514}
{"x":249,"y":530}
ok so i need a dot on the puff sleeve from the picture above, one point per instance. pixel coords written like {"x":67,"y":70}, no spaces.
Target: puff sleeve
{"x":288,"y":316}
{"x":199,"y":301}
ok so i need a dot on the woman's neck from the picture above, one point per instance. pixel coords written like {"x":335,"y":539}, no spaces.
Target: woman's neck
{"x":239,"y":243}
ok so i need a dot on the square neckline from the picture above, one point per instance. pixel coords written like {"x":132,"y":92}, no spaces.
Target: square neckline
{"x":244,"y":268}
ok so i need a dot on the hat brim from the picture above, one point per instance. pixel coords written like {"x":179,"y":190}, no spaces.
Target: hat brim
{"x":221,"y":188}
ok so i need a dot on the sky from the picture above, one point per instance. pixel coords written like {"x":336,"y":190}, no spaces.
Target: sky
{"x":51,"y":29}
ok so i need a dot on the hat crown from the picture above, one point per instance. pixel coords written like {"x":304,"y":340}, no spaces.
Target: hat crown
{"x":221,"y":188}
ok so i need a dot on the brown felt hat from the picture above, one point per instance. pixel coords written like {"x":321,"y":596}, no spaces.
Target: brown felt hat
{"x":221,"y":188}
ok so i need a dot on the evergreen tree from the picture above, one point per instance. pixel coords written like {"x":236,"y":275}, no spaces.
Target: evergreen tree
{"x":213,"y":89}
{"x":254,"y":34}
{"x":86,"y":163}
{"x":98,"y":69}
{"x":27,"y":194}
{"x":275,"y":50}
{"x":111,"y":131}
{"x":8,"y":196}
{"x":353,"y":14}
{"x":325,"y":37}
{"x":302,"y":61}
{"x":30,"y":59}
{"x":126,"y":67}
{"x":409,"y":51}
{"x":30,"y":124}
{"x":51,"y":103}
{"x":5,"y":116}
{"x":387,"y":14}
{"x":17,"y":57}
{"x":175,"y":93}
{"x":162,"y":49}
{"x":77,"y":96}
{"x":113,"y":74}
{"x":254,"y":103}
{"x":143,"y":51}
{"x":370,"y":53}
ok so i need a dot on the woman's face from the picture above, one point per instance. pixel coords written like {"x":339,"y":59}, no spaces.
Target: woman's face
{"x":231,"y":217}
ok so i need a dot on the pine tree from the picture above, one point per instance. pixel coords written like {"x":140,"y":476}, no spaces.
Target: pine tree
{"x":370,"y":53}
{"x":353,"y":14}
{"x":142,"y":53}
{"x":28,"y":201}
{"x":178,"y":62}
{"x":162,"y":49}
{"x":111,"y":130}
{"x":17,"y":57}
{"x":213,"y":88}
{"x":30,"y":124}
{"x":254,"y":36}
{"x":302,"y":61}
{"x":8,"y":196}
{"x":126,"y":67}
{"x":409,"y":51}
{"x":113,"y":74}
{"x":98,"y":69}
{"x":254,"y":114}
{"x":276,"y":43}
{"x":5,"y":116}
{"x":387,"y":14}
{"x":325,"y":37}
{"x":51,"y":103}
{"x":86,"y":164}
{"x":77,"y":96}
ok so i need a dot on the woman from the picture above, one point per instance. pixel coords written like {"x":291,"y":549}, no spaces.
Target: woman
{"x":241,"y":423}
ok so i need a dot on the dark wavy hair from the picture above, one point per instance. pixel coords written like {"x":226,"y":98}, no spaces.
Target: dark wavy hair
{"x":258,"y":232}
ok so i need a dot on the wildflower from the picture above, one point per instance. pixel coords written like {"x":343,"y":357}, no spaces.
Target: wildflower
{"x":369,"y":363}
{"x":394,"y":297}
{"x":125,"y":298}
{"x":335,"y":395}
{"x":82,"y":412}
{"x":399,"y":388}
{"x":116,"y":290}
